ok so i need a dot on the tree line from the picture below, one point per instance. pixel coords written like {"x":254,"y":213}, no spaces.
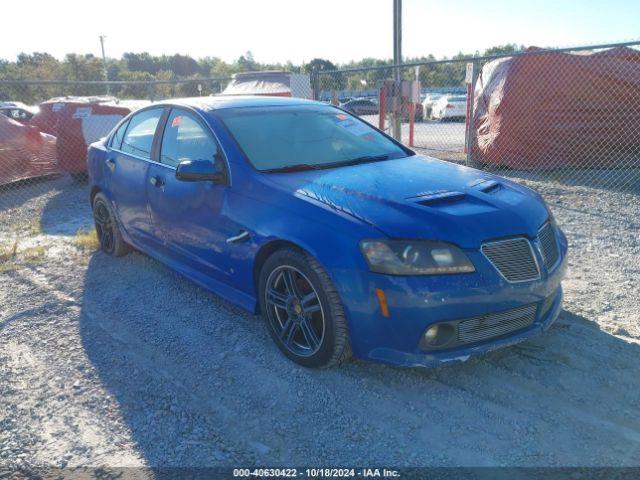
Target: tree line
{"x":178,"y":75}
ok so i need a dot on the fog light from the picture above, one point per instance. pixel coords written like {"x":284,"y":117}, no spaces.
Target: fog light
{"x":431,"y":334}
{"x":438,"y":335}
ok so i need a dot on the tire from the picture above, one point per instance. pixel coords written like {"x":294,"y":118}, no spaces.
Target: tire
{"x":107,"y":229}
{"x":291,"y":327}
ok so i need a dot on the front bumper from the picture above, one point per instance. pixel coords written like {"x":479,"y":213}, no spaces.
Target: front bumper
{"x":463,"y":353}
{"x":416,"y":302}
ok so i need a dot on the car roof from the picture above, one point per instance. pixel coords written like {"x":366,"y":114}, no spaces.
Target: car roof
{"x":220,"y":102}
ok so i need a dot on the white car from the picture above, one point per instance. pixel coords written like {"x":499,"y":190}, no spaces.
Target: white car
{"x":429,"y":100}
{"x":450,"y":107}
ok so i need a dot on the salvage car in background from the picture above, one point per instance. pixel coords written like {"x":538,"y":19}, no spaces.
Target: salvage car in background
{"x":18,"y":111}
{"x":450,"y":107}
{"x":79,"y":121}
{"x":361,"y":106}
{"x":25,"y":152}
{"x":344,"y":239}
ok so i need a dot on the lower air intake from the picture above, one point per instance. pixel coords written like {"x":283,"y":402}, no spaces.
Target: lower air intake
{"x":485,"y":327}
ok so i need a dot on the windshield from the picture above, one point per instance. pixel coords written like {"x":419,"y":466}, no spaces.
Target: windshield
{"x":306,"y":137}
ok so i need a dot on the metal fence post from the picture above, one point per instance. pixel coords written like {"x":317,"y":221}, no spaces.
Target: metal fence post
{"x":315,"y":83}
{"x":151,"y":90}
{"x":470,"y":112}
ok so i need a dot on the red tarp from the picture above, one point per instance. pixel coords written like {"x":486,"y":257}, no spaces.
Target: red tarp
{"x":25,"y":152}
{"x":79,"y":121}
{"x":559,"y":109}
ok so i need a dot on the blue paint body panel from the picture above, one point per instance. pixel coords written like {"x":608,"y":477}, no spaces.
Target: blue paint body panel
{"x":327,"y":213}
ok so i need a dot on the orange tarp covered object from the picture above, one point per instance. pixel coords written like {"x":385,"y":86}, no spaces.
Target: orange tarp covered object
{"x":550,"y":110}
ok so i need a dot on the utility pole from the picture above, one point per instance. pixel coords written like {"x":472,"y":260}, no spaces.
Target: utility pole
{"x":397,"y":74}
{"x":104,"y":62}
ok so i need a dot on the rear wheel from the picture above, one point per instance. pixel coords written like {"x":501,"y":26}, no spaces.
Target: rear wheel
{"x":111,"y":241}
{"x":303,"y":311}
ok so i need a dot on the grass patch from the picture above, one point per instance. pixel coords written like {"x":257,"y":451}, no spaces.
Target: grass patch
{"x":87,"y":240}
{"x":10,"y":257}
{"x":33,"y":254}
{"x":35,"y":228}
{"x":8,"y":252}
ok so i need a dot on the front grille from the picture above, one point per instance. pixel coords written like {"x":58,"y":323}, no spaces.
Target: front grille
{"x":477,"y":329}
{"x":549,"y":245}
{"x":513,"y":258}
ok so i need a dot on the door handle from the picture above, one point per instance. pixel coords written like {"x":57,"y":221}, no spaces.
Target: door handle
{"x":111,"y":163}
{"x":243,"y":236}
{"x":157,"y":181}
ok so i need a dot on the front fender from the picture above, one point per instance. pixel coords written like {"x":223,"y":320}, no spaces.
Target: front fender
{"x":332,"y":240}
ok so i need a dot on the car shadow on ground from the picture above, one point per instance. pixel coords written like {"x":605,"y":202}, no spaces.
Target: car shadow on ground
{"x":199,"y":383}
{"x":18,"y":193}
{"x":51,"y":206}
{"x":68,"y":209}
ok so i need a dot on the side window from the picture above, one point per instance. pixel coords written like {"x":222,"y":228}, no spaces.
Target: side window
{"x":116,"y":140}
{"x":139,"y":137}
{"x":185,"y":138}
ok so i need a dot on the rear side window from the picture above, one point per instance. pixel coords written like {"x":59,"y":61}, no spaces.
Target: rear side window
{"x":139,"y":137}
{"x":186,"y":139}
{"x":116,"y":140}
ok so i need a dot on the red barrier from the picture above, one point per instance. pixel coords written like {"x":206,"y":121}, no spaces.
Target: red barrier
{"x":382,"y":111}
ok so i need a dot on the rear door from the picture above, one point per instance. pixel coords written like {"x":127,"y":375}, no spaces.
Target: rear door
{"x":128,"y":160}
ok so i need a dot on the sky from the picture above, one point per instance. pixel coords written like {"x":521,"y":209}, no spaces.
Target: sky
{"x":282,"y":30}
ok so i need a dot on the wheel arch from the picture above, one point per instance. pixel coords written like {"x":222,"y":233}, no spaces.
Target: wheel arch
{"x":94,"y":191}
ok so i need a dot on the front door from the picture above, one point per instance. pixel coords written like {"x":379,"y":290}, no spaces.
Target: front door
{"x":189,"y":215}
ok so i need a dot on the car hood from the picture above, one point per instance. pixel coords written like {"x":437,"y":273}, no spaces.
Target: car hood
{"x":422,"y":197}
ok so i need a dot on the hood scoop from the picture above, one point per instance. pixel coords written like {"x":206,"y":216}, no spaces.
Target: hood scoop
{"x":490,"y":187}
{"x":440,"y":197}
{"x":487,"y":186}
{"x":453,"y":203}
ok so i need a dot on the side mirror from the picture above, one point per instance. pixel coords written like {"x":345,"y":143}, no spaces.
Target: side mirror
{"x":199,"y":171}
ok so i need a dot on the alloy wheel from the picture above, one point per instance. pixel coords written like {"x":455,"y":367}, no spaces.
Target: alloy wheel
{"x":104,"y":226}
{"x":295,"y":311}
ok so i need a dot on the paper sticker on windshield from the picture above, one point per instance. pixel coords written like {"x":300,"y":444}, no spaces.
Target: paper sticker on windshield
{"x":354,"y":127}
{"x":82,"y":112}
{"x":176,"y":122}
{"x":342,"y":116}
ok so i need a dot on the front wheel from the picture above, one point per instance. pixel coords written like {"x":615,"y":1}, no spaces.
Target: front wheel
{"x":303,"y":311}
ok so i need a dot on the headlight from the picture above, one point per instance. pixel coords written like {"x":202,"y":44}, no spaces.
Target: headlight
{"x":414,"y":257}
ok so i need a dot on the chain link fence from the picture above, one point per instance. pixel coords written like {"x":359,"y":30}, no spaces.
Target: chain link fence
{"x":570,"y":115}
{"x":554,"y":119}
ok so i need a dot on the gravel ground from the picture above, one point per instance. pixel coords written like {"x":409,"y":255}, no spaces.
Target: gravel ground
{"x":121,"y":362}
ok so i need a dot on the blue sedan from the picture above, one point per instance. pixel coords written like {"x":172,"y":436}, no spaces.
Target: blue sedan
{"x":347,"y":242}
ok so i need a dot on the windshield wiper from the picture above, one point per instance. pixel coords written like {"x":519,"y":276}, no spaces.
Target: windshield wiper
{"x":367,"y":158}
{"x":322,"y":166}
{"x":294,"y":168}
